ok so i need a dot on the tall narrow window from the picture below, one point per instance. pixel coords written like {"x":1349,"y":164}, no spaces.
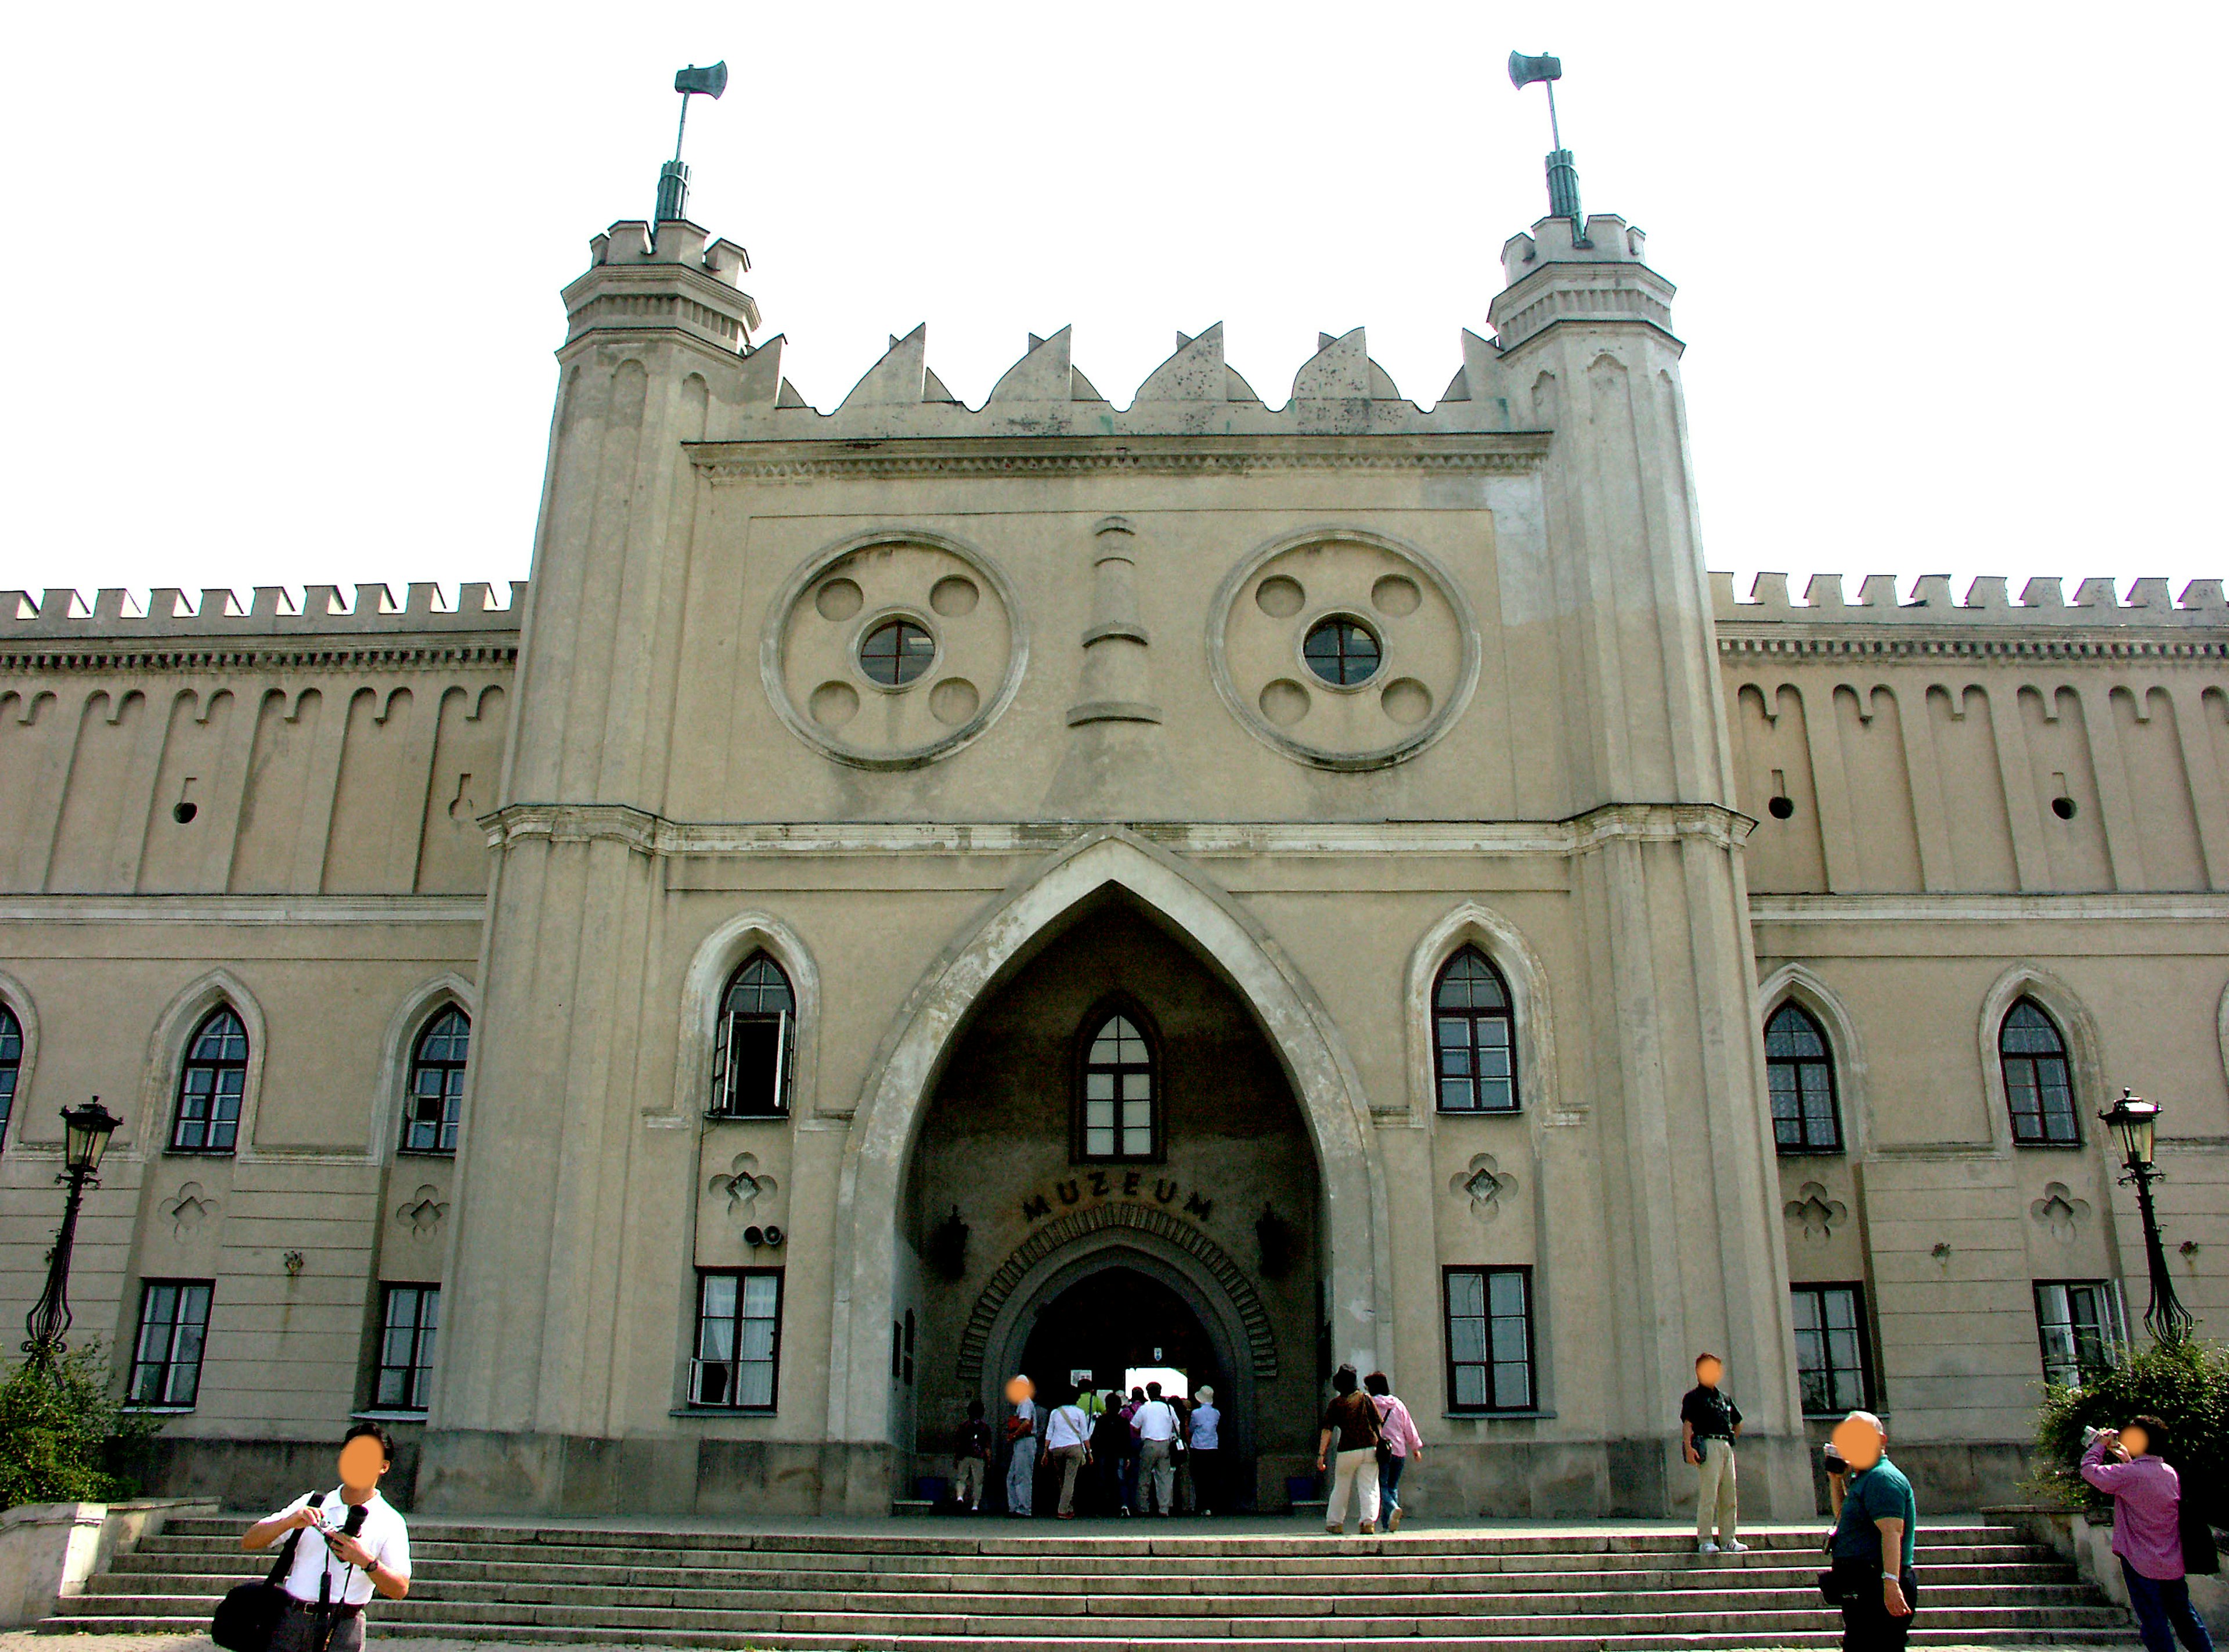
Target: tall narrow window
{"x":1117,"y":1118}
{"x":437,"y":1083}
{"x":1489,"y":1339}
{"x":738,"y":1338}
{"x":751,"y":1055}
{"x":408,"y":1317}
{"x":1800,"y":1070}
{"x":1473,"y":1037}
{"x":11,"y":1065}
{"x":2039,"y":1087}
{"x":1830,"y":1350}
{"x":210,"y":1084}
{"x":166,"y":1357}
{"x":2078,"y":1322}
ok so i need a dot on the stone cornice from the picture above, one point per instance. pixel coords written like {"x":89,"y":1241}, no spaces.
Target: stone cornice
{"x":646,"y":834}
{"x":2196,"y":905}
{"x":1501,"y":453}
{"x":1767,"y":640}
{"x":140,"y":910}
{"x":61,"y":657}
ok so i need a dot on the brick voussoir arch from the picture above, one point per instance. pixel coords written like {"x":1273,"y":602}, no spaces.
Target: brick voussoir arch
{"x":1261,"y":1340}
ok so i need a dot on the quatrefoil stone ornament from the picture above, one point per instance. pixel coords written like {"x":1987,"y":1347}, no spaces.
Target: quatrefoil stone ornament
{"x":2059,"y":1212}
{"x":188,"y":1210}
{"x":1817,"y":1214}
{"x":1485,"y":1184}
{"x":422,"y":1212}
{"x":743,"y":1183}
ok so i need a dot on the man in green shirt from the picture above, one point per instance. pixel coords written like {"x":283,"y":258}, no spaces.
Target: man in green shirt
{"x":1879,"y":1519}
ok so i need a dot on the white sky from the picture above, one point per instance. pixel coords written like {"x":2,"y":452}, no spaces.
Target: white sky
{"x":286,"y":277}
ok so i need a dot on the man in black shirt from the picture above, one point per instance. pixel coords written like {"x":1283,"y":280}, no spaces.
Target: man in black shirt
{"x":1709,"y":1420}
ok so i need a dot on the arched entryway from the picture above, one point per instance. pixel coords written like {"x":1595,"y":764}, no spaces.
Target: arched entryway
{"x":1193,"y":1220}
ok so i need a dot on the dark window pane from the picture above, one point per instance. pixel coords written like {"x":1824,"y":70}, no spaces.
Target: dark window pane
{"x":896,"y":652}
{"x":1118,"y":1071}
{"x":1473,"y":1037}
{"x":1799,"y":1072}
{"x":1341,"y":651}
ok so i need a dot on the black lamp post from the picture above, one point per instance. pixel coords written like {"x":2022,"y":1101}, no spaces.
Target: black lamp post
{"x":2134,"y":1124}
{"x":85,"y":1138}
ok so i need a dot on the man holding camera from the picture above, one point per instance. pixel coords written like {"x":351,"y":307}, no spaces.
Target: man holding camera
{"x":2146,"y":1493}
{"x":352,"y":1542}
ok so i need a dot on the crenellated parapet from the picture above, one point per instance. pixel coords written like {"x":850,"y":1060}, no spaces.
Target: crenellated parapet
{"x":1598,"y":277}
{"x":674,"y":281}
{"x":1988,"y":604}
{"x":58,"y":630}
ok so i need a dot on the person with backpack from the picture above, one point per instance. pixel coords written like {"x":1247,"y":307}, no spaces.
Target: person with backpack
{"x":1351,"y":1421}
{"x":2147,"y":1496}
{"x":973,"y":1461}
{"x":343,"y":1546}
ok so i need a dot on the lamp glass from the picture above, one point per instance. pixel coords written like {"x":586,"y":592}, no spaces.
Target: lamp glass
{"x":2135,"y":1123}
{"x":85,"y":1136}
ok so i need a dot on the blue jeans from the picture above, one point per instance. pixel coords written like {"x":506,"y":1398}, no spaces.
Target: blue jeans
{"x":1389,"y":1478}
{"x":2164,"y":1612}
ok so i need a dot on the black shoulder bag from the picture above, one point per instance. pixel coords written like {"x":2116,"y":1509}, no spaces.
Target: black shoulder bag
{"x":247,"y":1617}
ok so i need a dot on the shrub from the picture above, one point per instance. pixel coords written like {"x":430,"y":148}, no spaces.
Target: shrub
{"x":64,"y":1436}
{"x":2186,"y":1387}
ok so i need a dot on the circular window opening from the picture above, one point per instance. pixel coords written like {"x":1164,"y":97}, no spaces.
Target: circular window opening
{"x":2063,"y":807}
{"x":896,"y":651}
{"x":1342,"y":652}
{"x":1780,"y":807}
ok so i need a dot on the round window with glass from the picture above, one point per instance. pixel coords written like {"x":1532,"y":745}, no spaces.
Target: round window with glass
{"x":1342,"y":651}
{"x":896,"y":652}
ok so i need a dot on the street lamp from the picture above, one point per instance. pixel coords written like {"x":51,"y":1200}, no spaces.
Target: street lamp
{"x":2134,"y":1123}
{"x":85,"y":1131}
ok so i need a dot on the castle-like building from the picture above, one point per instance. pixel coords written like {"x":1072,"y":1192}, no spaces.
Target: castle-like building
{"x":913,"y":894}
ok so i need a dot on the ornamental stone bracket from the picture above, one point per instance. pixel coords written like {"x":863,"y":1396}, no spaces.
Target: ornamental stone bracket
{"x":1260,"y":1338}
{"x":2058,"y":1213}
{"x":1814,"y":1212}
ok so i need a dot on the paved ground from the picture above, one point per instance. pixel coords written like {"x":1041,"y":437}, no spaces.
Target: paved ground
{"x":21,"y":1641}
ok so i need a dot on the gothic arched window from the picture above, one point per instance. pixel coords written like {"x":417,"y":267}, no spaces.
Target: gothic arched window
{"x":11,"y":1064}
{"x":436,"y":1101}
{"x":210,"y":1084}
{"x":751,"y":1052}
{"x":1116,"y":1113}
{"x":1473,"y":1037}
{"x":2038,"y":1084}
{"x":1799,"y":1069}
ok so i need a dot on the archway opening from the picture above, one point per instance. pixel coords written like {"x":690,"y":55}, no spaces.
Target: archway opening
{"x":1116,"y":1324}
{"x":1111,"y":1160}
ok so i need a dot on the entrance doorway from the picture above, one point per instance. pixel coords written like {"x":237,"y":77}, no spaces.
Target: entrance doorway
{"x":1111,"y":1324}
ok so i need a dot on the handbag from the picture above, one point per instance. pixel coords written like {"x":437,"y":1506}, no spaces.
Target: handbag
{"x":247,"y":1617}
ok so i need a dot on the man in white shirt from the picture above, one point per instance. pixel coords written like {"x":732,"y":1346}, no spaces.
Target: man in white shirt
{"x":1068,"y":1442}
{"x":352,"y":1542}
{"x":1155,"y":1424}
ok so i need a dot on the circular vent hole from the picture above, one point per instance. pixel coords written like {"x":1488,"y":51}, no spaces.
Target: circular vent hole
{"x":2063,"y":807}
{"x":184,"y":812}
{"x":1780,"y":807}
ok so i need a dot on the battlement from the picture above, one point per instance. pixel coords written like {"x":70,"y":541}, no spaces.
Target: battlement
{"x":61,"y":612}
{"x":1337,"y":391}
{"x":2042,"y":603}
{"x":675,"y":278}
{"x":1594,"y":279}
{"x":1608,"y":239}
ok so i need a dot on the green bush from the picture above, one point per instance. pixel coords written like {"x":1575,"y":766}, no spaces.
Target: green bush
{"x":64,"y":1436}
{"x":2186,"y":1387}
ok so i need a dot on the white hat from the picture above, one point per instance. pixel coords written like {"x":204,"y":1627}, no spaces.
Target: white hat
{"x":1203,"y":1394}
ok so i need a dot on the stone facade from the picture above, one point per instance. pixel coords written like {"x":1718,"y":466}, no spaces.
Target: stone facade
{"x":1102,"y":766}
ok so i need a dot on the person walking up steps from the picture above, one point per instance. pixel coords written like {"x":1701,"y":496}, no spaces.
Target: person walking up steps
{"x":1401,"y":1443}
{"x":1351,"y":1421}
{"x":1156,"y":1425}
{"x":1709,"y":1420}
{"x":1067,"y":1436}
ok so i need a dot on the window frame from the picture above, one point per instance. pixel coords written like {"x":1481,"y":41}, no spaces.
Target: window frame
{"x":188,"y":1065}
{"x":169,"y":1364}
{"x":1507,"y":1014}
{"x":2066,"y":1060}
{"x":1806,"y":1147}
{"x":1866,"y":1389}
{"x":697,"y":1363}
{"x":418,"y":1374}
{"x":448,"y":1132}
{"x":1486,"y":1272}
{"x":2114,"y":1324}
{"x":1095,"y":1021}
{"x":11,"y":1066}
{"x":721,"y":1104}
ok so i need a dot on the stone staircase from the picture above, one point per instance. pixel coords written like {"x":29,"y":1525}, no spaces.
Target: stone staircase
{"x":1001,"y":1585}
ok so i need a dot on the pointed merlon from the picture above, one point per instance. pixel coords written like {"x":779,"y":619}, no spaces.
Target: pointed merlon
{"x":932,"y":389}
{"x":1043,"y":374}
{"x":761,"y":379}
{"x":788,"y":397}
{"x":1196,"y":373}
{"x":1342,"y":370}
{"x":897,"y":380}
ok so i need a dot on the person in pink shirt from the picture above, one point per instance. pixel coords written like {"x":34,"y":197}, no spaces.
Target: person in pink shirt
{"x":2148,"y":1530}
{"x":1401,"y":1442}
